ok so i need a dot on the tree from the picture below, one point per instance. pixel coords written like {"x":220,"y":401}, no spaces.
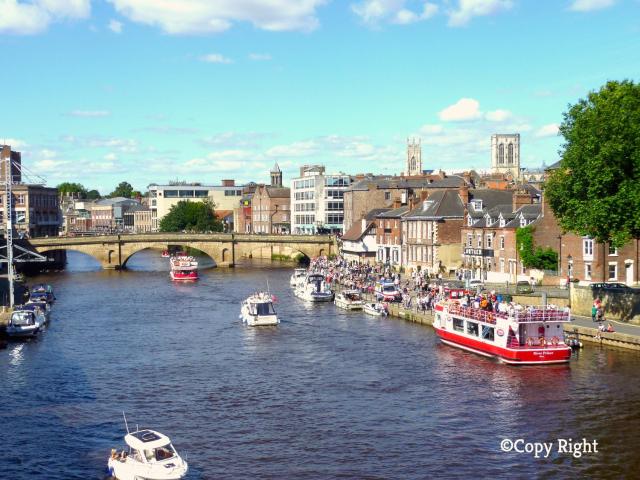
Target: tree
{"x":66,"y":188}
{"x":191,"y":216}
{"x":93,"y":194}
{"x":596,"y":189}
{"x":124,"y":189}
{"x":532,"y":257}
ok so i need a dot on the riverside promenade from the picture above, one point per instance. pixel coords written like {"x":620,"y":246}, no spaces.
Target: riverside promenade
{"x":625,"y":336}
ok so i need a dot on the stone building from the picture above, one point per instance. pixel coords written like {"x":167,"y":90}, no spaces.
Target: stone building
{"x":505,"y":154}
{"x":36,"y":209}
{"x":15,"y":159}
{"x":389,"y":235}
{"x":414,"y":157}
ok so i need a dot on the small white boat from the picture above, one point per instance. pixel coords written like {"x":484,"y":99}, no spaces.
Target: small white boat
{"x":349,"y":300}
{"x":314,"y":289}
{"x":377,"y":309}
{"x":298,"y":275}
{"x":25,"y":322}
{"x":150,"y":456}
{"x":257,"y":310}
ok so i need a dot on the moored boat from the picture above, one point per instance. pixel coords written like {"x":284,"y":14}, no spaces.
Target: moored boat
{"x":166,"y":254}
{"x":377,"y":309}
{"x":298,"y":275}
{"x":150,"y":456}
{"x":25,"y":322}
{"x":518,"y":336}
{"x":314,"y":289}
{"x":257,"y":310}
{"x":183,"y":268}
{"x":42,"y":291}
{"x":349,"y":300}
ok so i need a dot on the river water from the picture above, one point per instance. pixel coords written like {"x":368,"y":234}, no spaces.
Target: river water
{"x":327,"y":394}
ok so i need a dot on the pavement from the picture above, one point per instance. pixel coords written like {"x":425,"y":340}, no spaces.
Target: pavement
{"x":620,"y":327}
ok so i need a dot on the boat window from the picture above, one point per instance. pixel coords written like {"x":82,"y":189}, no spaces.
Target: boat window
{"x":458,"y":324}
{"x":136,"y":455}
{"x":163,"y":453}
{"x":389,"y":288}
{"x":265,"y":309}
{"x":472,"y":328}
{"x":487,"y":333}
{"x":148,"y":454}
{"x":22,"y":318}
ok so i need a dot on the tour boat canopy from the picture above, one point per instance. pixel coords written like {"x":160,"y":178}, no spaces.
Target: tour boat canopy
{"x":146,"y":440}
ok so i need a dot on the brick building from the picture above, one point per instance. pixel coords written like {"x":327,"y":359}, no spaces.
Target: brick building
{"x":271,"y":209}
{"x":389,"y":235}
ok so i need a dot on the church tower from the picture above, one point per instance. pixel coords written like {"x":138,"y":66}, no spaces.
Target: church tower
{"x":276,"y":176}
{"x":505,"y":154}
{"x":414,"y":157}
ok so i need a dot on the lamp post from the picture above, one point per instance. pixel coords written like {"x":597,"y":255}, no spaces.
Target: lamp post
{"x":570,"y":266}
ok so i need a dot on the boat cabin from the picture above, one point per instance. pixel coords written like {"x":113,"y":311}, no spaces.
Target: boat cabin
{"x":261,"y":308}
{"x":149,"y":446}
{"x":23,"y":318}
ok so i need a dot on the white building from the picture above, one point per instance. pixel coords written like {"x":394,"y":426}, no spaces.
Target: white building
{"x":317,"y":201}
{"x":163,"y":197}
{"x":505,"y":154}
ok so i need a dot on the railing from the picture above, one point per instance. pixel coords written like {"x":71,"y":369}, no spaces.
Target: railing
{"x":532,"y":315}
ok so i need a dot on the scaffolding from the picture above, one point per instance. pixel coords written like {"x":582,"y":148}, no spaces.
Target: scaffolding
{"x":11,"y":253}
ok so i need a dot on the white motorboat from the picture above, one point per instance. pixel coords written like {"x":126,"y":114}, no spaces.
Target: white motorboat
{"x":314,"y":289}
{"x":298,"y":275}
{"x":257,"y":310}
{"x":349,"y":300}
{"x":150,"y":456}
{"x":377,"y":309}
{"x":25,"y":322}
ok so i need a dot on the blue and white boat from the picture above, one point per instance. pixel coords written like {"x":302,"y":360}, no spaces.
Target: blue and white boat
{"x":25,"y":322}
{"x":44,"y":307}
{"x":42,"y":291}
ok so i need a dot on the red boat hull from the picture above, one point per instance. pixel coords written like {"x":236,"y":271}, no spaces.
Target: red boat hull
{"x":515,"y":356}
{"x":185,"y":278}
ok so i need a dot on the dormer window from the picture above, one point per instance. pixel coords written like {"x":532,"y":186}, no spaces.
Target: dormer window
{"x":426,"y":204}
{"x":487,"y":219}
{"x":477,"y":205}
{"x":469,"y":221}
{"x":502,"y":222}
{"x":523,"y":221}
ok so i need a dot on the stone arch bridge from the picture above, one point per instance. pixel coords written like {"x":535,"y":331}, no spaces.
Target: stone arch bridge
{"x":113,"y":251}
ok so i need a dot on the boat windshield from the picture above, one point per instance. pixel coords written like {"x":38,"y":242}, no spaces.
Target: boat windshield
{"x":22,"y":318}
{"x":389,"y":288}
{"x":164,"y":453}
{"x":265,"y":309}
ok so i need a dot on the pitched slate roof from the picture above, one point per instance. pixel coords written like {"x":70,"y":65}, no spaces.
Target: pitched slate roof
{"x":439,"y":205}
{"x":387,"y":182}
{"x":356,"y":232}
{"x":278,"y":192}
{"x":395,"y":213}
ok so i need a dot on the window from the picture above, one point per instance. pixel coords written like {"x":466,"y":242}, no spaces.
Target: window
{"x":479,"y":240}
{"x":171,"y":193}
{"x":469,"y":240}
{"x":487,"y":333}
{"x":510,"y":154}
{"x":587,"y":271}
{"x":202,"y":193}
{"x":502,"y":222}
{"x":186,"y":193}
{"x":587,"y":248}
{"x":489,"y":241}
{"x":502,"y":265}
{"x":472,"y":328}
{"x":458,"y":325}
{"x":613,"y":250}
{"x":613,"y":271}
{"x":469,"y":220}
{"x":501,"y":155}
{"x":501,"y":242}
{"x":523,"y":221}
{"x":387,"y":196}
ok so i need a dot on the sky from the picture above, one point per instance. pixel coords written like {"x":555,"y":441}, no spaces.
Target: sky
{"x":148,"y":91}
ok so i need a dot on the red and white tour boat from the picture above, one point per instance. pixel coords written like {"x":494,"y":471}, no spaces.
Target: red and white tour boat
{"x":527,"y":336}
{"x":183,"y":268}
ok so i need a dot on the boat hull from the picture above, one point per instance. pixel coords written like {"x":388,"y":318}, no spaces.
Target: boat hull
{"x":26,"y":332}
{"x":370,"y":310}
{"x":513,"y":356}
{"x":348,"y":305}
{"x":176,"y":277}
{"x":131,"y":471}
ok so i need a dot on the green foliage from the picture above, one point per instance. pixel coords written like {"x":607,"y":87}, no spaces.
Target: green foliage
{"x":124,"y":189}
{"x":192,"y":217}
{"x":596,"y":190}
{"x":532,"y":257}
{"x":69,"y":187}
{"x":93,"y":194}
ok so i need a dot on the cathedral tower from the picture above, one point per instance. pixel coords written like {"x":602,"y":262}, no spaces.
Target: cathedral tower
{"x":505,"y":154}
{"x":276,"y":176}
{"x":414,"y":157}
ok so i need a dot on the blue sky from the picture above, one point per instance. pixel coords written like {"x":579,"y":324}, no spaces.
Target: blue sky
{"x":200,"y":90}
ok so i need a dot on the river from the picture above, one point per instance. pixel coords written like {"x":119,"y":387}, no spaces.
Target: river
{"x":327,"y":394}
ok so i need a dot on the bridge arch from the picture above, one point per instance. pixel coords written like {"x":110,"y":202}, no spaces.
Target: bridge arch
{"x":104,"y":257}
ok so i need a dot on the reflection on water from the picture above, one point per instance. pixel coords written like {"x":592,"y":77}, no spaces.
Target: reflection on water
{"x":326,"y":394}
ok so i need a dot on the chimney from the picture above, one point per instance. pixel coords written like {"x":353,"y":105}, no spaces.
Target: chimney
{"x":364,"y":223}
{"x":464,"y":194}
{"x":521,"y":198}
{"x":397,"y":203}
{"x":228,"y":183}
{"x":424,"y":194}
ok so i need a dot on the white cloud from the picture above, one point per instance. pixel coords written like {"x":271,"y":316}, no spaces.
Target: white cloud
{"x":373,"y":12}
{"x":590,"y":5}
{"x":550,"y":130}
{"x":185,"y":17}
{"x":296,"y":149}
{"x":259,"y":56}
{"x":431,"y":129}
{"x":215,"y":58}
{"x":115,"y":26}
{"x":30,"y":18}
{"x":89,"y":113}
{"x":14,"y":143}
{"x":463,"y":109}
{"x":498,"y":115}
{"x":467,"y":9}
{"x":110,"y":157}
